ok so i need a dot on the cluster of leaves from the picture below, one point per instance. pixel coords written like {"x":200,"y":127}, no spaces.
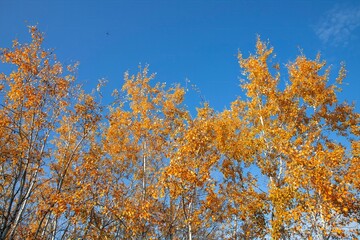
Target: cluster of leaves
{"x":147,"y":169}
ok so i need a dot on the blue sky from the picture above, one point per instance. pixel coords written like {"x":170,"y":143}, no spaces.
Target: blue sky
{"x":195,"y":40}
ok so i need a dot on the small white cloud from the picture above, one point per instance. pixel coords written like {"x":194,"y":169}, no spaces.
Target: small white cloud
{"x":338,"y":25}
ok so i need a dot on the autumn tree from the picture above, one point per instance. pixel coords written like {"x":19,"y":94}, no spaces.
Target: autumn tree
{"x":72,"y":191}
{"x":143,"y":126}
{"x":190,"y":181}
{"x":32,"y":99}
{"x":48,"y":140}
{"x":302,"y":136}
{"x":245,"y":205}
{"x":282,"y":162}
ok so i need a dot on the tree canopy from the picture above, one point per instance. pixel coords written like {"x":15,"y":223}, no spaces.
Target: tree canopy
{"x":283,"y":162}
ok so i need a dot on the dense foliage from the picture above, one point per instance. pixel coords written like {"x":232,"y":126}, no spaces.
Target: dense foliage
{"x":283,"y":163}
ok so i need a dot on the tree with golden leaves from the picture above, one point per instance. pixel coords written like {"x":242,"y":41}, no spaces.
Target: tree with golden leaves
{"x":281,"y":163}
{"x":32,"y":98}
{"x":301,"y":135}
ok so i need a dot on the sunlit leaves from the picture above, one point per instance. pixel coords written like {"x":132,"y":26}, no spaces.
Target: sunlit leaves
{"x":305,"y":165}
{"x":282,"y":162}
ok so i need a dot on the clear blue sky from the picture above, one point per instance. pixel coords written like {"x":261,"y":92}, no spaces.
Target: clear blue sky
{"x":198,"y":40}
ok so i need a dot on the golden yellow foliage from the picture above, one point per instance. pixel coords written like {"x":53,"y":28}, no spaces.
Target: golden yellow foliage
{"x":282,"y":163}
